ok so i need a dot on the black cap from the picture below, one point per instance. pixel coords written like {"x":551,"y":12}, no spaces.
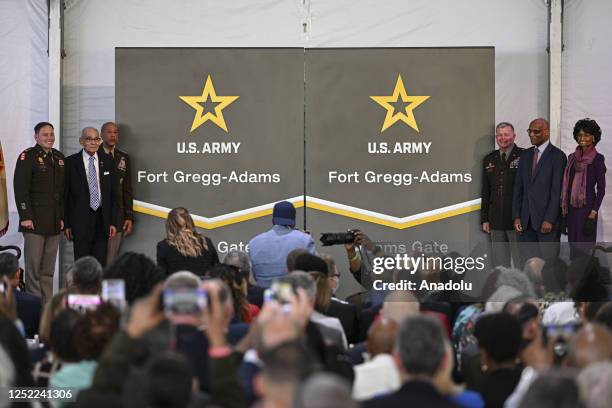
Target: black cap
{"x":310,"y":263}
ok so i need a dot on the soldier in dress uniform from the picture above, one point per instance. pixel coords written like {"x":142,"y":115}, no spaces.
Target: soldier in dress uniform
{"x":125,"y":218}
{"x":499,"y":169}
{"x":39,"y":195}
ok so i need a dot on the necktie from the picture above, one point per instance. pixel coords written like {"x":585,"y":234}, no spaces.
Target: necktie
{"x":504,"y":157}
{"x":534,"y":163}
{"x":92,"y":181}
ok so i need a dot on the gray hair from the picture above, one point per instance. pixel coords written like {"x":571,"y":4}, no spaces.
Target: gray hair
{"x":594,"y":384}
{"x":553,"y":390}
{"x":85,"y":129}
{"x":533,"y":269}
{"x":322,"y":390}
{"x":503,"y":125}
{"x":300,"y":279}
{"x":399,"y":304}
{"x":240,"y":260}
{"x":421,"y":345}
{"x":515,"y":279}
{"x":86,"y":273}
{"x":183,"y":279}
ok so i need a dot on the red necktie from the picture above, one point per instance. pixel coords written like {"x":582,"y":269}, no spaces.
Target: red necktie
{"x":534,"y":163}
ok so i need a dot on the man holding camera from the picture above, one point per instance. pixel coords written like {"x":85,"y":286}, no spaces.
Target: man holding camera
{"x":268,"y":251}
{"x":360,"y":268}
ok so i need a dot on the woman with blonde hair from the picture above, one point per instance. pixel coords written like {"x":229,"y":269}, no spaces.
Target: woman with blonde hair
{"x":184,"y":249}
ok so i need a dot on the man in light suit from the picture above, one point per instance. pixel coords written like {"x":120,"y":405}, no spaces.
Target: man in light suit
{"x":536,"y":206}
{"x":91,"y":198}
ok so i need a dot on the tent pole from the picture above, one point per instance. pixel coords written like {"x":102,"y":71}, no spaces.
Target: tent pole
{"x":555,"y":48}
{"x":55,"y":86}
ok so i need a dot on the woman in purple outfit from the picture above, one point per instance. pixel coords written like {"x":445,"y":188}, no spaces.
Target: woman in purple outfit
{"x":584,"y":186}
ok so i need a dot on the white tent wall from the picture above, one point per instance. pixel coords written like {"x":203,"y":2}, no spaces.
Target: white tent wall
{"x":587,"y":82}
{"x":93,"y":29}
{"x":517,"y":30}
{"x":23,"y":87}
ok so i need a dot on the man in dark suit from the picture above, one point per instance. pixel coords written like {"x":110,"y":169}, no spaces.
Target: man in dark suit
{"x":91,"y":198}
{"x":28,"y":306}
{"x":499,"y":170}
{"x":125,"y":202}
{"x":536,"y":206}
{"x":420,"y":355}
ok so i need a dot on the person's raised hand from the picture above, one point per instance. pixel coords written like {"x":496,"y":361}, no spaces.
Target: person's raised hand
{"x":300,"y":309}
{"x":146,"y":314}
{"x":216,"y":315}
{"x":350,"y":247}
{"x":360,"y":239}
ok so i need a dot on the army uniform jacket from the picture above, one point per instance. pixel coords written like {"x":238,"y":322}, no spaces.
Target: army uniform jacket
{"x":125,"y":201}
{"x":39,"y":189}
{"x":497,"y":187}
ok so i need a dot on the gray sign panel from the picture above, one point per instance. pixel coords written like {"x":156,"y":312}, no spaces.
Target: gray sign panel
{"x":214,"y":130}
{"x":394,"y":140}
{"x":398,"y":131}
{"x":394,"y":145}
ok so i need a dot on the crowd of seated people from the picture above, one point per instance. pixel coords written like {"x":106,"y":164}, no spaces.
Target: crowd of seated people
{"x":538,"y":337}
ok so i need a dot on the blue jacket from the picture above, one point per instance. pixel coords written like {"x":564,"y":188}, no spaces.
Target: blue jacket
{"x":268,"y":252}
{"x":539,"y":197}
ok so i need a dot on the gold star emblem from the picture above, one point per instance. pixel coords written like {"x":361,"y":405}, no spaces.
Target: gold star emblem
{"x":399,"y":93}
{"x":208,"y":95}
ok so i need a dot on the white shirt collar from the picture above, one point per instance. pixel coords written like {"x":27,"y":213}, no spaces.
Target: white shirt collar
{"x":543,"y":146}
{"x":86,"y":156}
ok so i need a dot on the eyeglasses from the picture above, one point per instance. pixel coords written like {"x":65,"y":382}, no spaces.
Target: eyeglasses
{"x":534,"y":131}
{"x":91,"y":140}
